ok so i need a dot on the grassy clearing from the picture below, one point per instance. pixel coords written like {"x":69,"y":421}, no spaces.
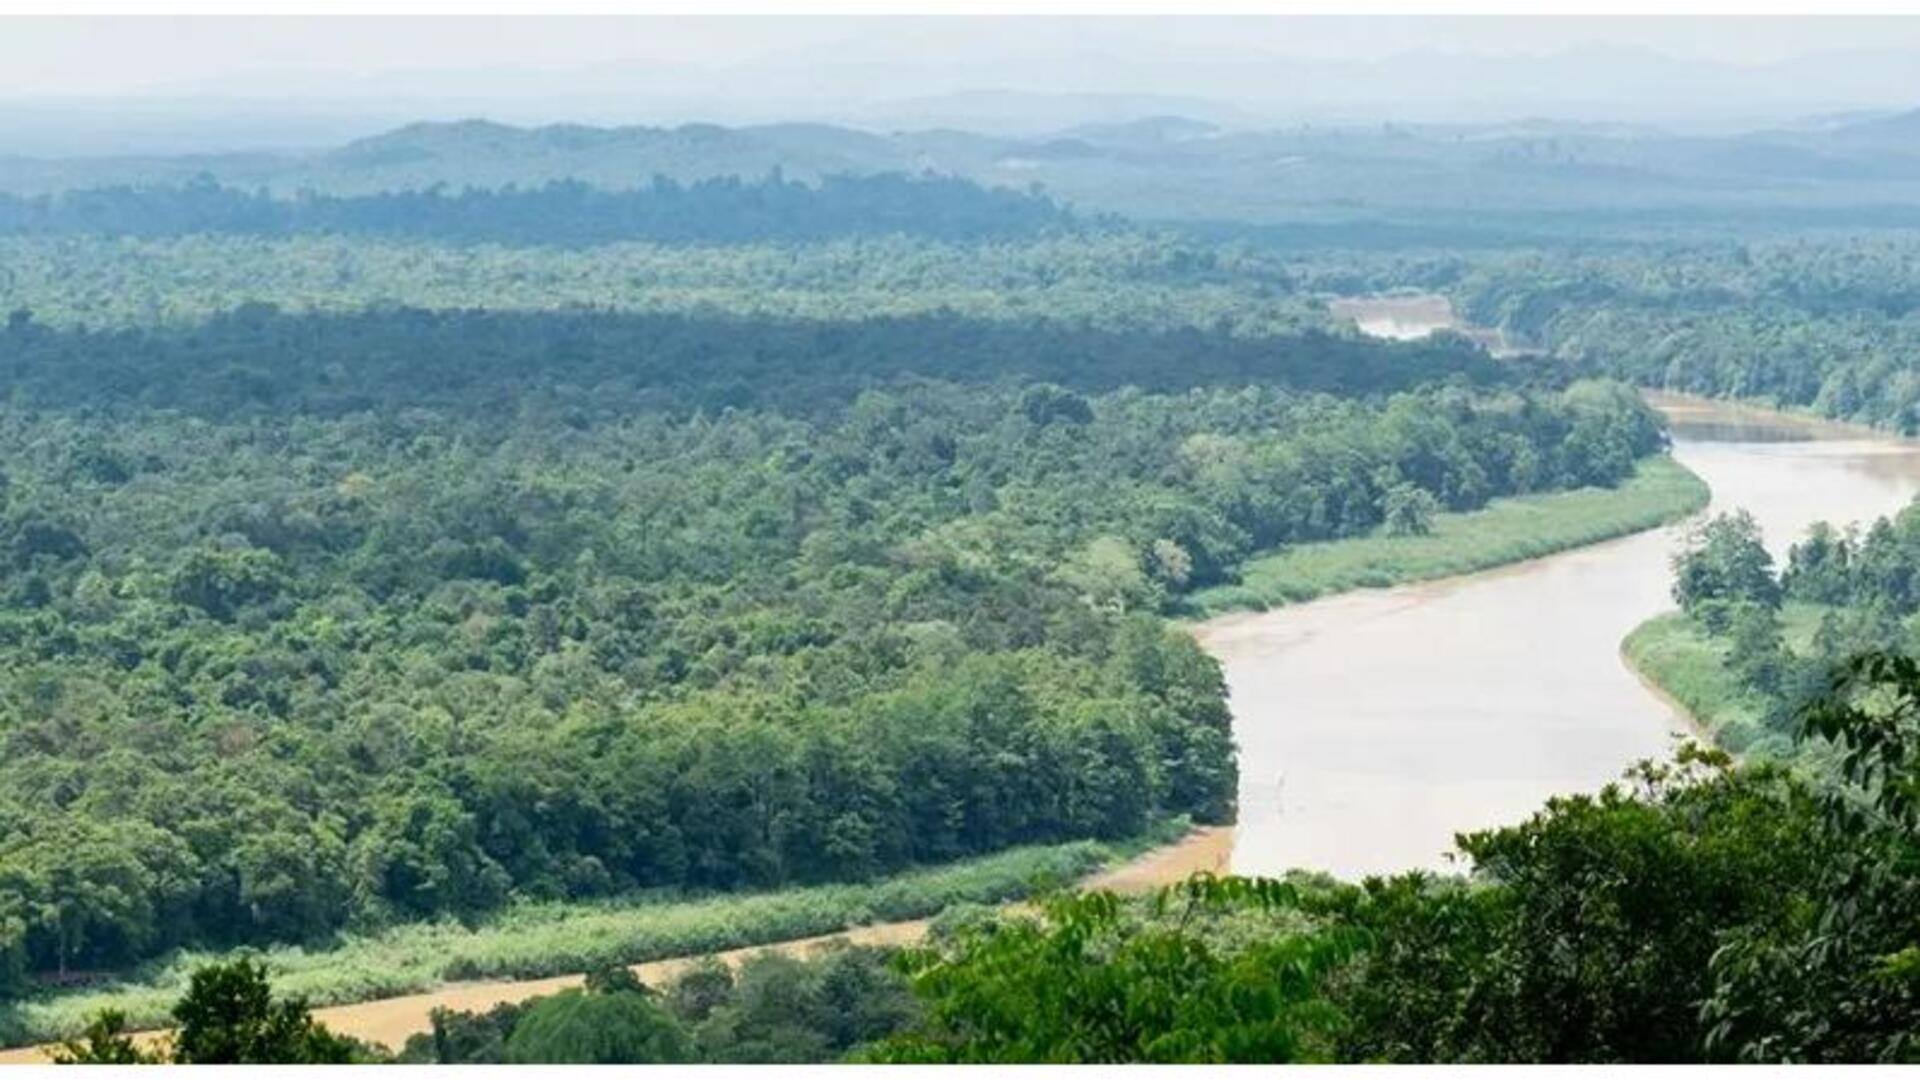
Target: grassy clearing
{"x":1506,"y":530}
{"x":1688,"y":665}
{"x":540,"y":940}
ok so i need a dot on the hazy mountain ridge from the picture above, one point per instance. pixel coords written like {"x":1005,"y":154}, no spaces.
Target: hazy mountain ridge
{"x":1898,"y":129}
{"x":1163,"y":167}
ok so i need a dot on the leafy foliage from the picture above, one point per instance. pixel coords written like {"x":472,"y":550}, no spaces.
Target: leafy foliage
{"x":228,"y":1016}
{"x":1825,"y":323}
{"x":553,"y":938}
{"x":1082,"y":984}
{"x":1724,"y":565}
{"x":771,"y":1009}
{"x":1837,"y":980}
{"x":588,"y":1027}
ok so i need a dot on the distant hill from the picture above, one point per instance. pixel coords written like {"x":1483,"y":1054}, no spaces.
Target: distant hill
{"x":482,"y":153}
{"x":1901,"y":130}
{"x":488,"y":154}
{"x":1567,"y":178}
{"x":1150,"y":131}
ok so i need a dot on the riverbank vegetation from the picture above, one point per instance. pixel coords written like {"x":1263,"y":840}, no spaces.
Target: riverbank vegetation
{"x":543,"y":939}
{"x":1753,"y":643}
{"x":1507,"y":530}
{"x":1694,"y":667}
{"x":1698,"y":911}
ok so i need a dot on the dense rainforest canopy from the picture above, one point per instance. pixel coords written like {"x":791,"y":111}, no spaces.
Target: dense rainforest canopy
{"x":1830,"y":323}
{"x":321,"y":620}
{"x":350,"y":639}
{"x":1109,"y":279}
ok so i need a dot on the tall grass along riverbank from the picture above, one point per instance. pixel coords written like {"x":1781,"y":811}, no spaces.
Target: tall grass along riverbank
{"x":1678,"y":658}
{"x":1660,"y":491}
{"x":539,"y":940}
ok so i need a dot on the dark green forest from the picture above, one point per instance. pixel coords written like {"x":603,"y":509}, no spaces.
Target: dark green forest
{"x":1826,"y":323}
{"x":593,"y":364}
{"x":558,"y":213}
{"x":316,"y":622}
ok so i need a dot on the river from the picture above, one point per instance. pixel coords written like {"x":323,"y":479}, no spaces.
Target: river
{"x":1375,"y":725}
{"x":1410,"y":317}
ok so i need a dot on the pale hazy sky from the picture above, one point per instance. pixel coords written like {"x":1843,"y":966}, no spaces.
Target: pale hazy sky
{"x":120,"y":84}
{"x":54,"y":56}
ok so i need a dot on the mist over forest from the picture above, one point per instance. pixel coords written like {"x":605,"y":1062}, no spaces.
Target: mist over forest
{"x":1072,"y":540}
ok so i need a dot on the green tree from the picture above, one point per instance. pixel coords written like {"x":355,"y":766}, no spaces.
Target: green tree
{"x":106,"y":1041}
{"x":96,"y":892}
{"x":229,"y":1016}
{"x":1108,"y":572}
{"x":224,"y":581}
{"x":1612,"y":907}
{"x":1818,"y":566}
{"x":1724,"y":562}
{"x":616,"y":979}
{"x":1838,"y":979}
{"x":1045,"y":403}
{"x":579,"y":1027}
{"x":1407,"y":510}
{"x":1083,"y":984}
{"x":1756,"y":652}
{"x":705,"y":986}
{"x":464,"y":1037}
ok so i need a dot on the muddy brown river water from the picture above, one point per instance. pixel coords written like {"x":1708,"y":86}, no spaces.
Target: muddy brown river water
{"x":1375,"y":725}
